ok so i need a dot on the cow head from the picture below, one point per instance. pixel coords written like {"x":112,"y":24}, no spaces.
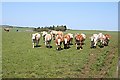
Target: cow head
{"x":107,"y":36}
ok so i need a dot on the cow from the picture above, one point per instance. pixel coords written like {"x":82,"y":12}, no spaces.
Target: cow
{"x":48,"y":39}
{"x":58,"y":41}
{"x":79,"y":41}
{"x":101,"y":39}
{"x":53,"y":33}
{"x":66,"y":41}
{"x":35,"y":39}
{"x":94,"y":40}
{"x":107,"y":39}
{"x":43,"y":34}
{"x":60,"y":33}
{"x":71,"y":38}
{"x":7,"y":29}
{"x":84,"y":37}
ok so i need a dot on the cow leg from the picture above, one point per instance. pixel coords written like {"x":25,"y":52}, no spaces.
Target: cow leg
{"x":92,"y":44}
{"x":69,"y":44}
{"x":76,"y":46}
{"x":49,"y":44}
{"x":33,"y":45}
{"x":43,"y":38}
{"x":59,"y":47}
{"x":107,"y":42}
{"x":37,"y":42}
{"x":95,"y":44}
{"x":45,"y":43}
{"x":81,"y":46}
{"x":71,"y":41}
{"x":53,"y":36}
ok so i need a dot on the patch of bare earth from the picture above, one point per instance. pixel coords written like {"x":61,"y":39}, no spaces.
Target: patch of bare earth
{"x":86,"y":71}
{"x":108,"y":64}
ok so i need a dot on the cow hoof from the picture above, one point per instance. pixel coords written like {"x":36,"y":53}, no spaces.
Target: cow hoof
{"x":81,"y":49}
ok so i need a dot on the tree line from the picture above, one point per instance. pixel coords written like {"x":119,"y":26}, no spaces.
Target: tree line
{"x":57,"y":28}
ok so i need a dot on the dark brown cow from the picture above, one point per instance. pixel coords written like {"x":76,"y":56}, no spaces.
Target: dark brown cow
{"x":66,"y":41}
{"x":79,"y":41}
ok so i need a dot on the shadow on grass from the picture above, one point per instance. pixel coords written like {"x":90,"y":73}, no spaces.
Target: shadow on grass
{"x":101,"y":46}
{"x":49,"y":47}
{"x":60,"y":49}
{"x":37,"y":46}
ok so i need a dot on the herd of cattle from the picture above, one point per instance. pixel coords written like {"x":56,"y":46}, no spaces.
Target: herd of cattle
{"x":67,"y":39}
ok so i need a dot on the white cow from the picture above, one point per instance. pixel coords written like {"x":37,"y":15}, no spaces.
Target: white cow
{"x":101,"y":39}
{"x":94,"y":40}
{"x":97,"y":38}
{"x":35,"y":39}
{"x":48,"y":39}
{"x":43,"y":34}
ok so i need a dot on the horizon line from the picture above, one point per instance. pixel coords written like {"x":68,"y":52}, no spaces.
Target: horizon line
{"x":58,"y":25}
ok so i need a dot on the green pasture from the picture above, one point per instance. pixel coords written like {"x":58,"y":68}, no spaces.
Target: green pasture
{"x":20,"y":60}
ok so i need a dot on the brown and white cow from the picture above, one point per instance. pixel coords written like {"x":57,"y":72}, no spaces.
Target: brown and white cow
{"x":60,"y":33}
{"x":107,"y":39}
{"x":58,"y":41}
{"x":79,"y":41}
{"x":71,"y":38}
{"x":48,"y":39}
{"x":53,"y":33}
{"x":7,"y":29}
{"x":101,"y":38}
{"x":84,"y":36}
{"x":66,"y":41}
{"x":35,"y":39}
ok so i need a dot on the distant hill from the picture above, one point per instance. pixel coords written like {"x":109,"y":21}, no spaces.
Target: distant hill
{"x":8,"y":26}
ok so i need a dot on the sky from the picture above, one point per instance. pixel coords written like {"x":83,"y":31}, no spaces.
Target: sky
{"x":76,"y":15}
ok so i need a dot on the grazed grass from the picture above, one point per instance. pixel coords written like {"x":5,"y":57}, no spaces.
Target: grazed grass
{"x":20,"y":60}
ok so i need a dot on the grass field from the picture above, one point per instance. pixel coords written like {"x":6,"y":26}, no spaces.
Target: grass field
{"x":20,"y":60}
